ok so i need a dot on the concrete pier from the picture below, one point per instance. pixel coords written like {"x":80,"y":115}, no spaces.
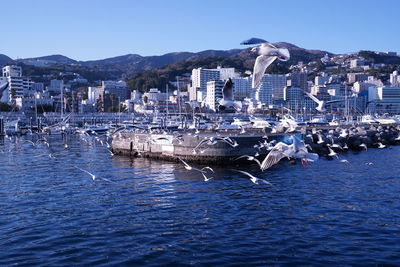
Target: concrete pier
{"x":185,"y":145}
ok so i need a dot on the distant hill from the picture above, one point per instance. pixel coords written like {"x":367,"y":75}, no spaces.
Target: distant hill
{"x":4,"y":59}
{"x":133,"y":63}
{"x":59,"y":59}
{"x":144,"y":72}
{"x":240,"y":59}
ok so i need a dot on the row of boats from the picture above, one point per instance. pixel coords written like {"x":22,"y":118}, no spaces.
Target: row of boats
{"x":17,"y":127}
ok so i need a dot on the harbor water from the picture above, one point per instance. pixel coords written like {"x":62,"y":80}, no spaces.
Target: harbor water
{"x":149,"y":212}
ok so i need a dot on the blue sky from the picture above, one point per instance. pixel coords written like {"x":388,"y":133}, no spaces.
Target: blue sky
{"x":95,"y":29}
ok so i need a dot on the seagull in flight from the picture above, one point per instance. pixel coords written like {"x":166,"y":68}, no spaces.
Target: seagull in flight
{"x":250,"y":158}
{"x":295,"y":150}
{"x":320,"y":103}
{"x":92,"y":175}
{"x":190,"y":168}
{"x":254,"y":179}
{"x":227,"y":100}
{"x":268,"y":53}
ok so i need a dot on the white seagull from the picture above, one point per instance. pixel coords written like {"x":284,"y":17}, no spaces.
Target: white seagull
{"x":295,"y":150}
{"x":253,"y":178}
{"x":320,"y":103}
{"x":92,"y":175}
{"x":250,"y":158}
{"x":268,"y":53}
{"x":227,"y":100}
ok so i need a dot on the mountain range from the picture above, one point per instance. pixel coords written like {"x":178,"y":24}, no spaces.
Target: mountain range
{"x":133,"y":63}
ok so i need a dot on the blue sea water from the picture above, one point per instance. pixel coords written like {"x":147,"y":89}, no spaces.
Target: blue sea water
{"x":149,"y":212}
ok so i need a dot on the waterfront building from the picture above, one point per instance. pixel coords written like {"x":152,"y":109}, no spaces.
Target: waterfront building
{"x":17,"y":85}
{"x":395,"y":78}
{"x":200,"y":77}
{"x":384,"y":99}
{"x":214,"y":94}
{"x":297,"y":79}
{"x":272,"y":84}
{"x":242,"y":87}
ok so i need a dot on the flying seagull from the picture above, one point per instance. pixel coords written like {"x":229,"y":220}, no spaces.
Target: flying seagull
{"x":268,"y":53}
{"x":227,"y":100}
{"x":92,"y":175}
{"x":320,"y":103}
{"x":294,"y":150}
{"x":254,"y":179}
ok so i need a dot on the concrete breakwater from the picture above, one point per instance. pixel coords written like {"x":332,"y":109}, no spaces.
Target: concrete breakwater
{"x":222,"y":148}
{"x":208,"y":146}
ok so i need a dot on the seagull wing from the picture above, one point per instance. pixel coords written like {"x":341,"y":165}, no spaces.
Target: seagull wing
{"x":316,"y":100}
{"x":227,"y":90}
{"x":261,"y":64}
{"x":274,"y":156}
{"x":334,"y":101}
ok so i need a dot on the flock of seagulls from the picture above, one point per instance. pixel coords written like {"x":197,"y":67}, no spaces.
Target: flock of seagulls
{"x":40,"y":142}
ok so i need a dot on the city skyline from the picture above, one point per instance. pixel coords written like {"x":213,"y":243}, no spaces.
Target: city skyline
{"x":98,"y":29}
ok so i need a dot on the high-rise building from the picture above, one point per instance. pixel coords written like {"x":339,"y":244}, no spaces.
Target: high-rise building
{"x":12,"y":71}
{"x":17,"y":85}
{"x":242,"y":87}
{"x":298,"y":79}
{"x":214,"y":93}
{"x":277,"y":83}
{"x":395,"y":78}
{"x":200,"y":77}
{"x":294,"y":97}
{"x":263,"y":92}
{"x":226,"y":73}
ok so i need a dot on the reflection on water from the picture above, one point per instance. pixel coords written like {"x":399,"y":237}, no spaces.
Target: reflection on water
{"x":141,"y":211}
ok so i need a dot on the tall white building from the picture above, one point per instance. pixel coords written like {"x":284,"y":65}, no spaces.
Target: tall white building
{"x":17,"y":86}
{"x":384,"y":99}
{"x":226,"y":73}
{"x":200,"y":77}
{"x":12,"y":71}
{"x":395,"y":78}
{"x":214,"y":93}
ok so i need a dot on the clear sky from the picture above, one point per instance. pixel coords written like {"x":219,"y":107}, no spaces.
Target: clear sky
{"x":96,"y":29}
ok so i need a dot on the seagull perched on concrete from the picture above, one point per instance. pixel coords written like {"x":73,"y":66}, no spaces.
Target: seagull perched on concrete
{"x":254,"y":179}
{"x":227,"y":100}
